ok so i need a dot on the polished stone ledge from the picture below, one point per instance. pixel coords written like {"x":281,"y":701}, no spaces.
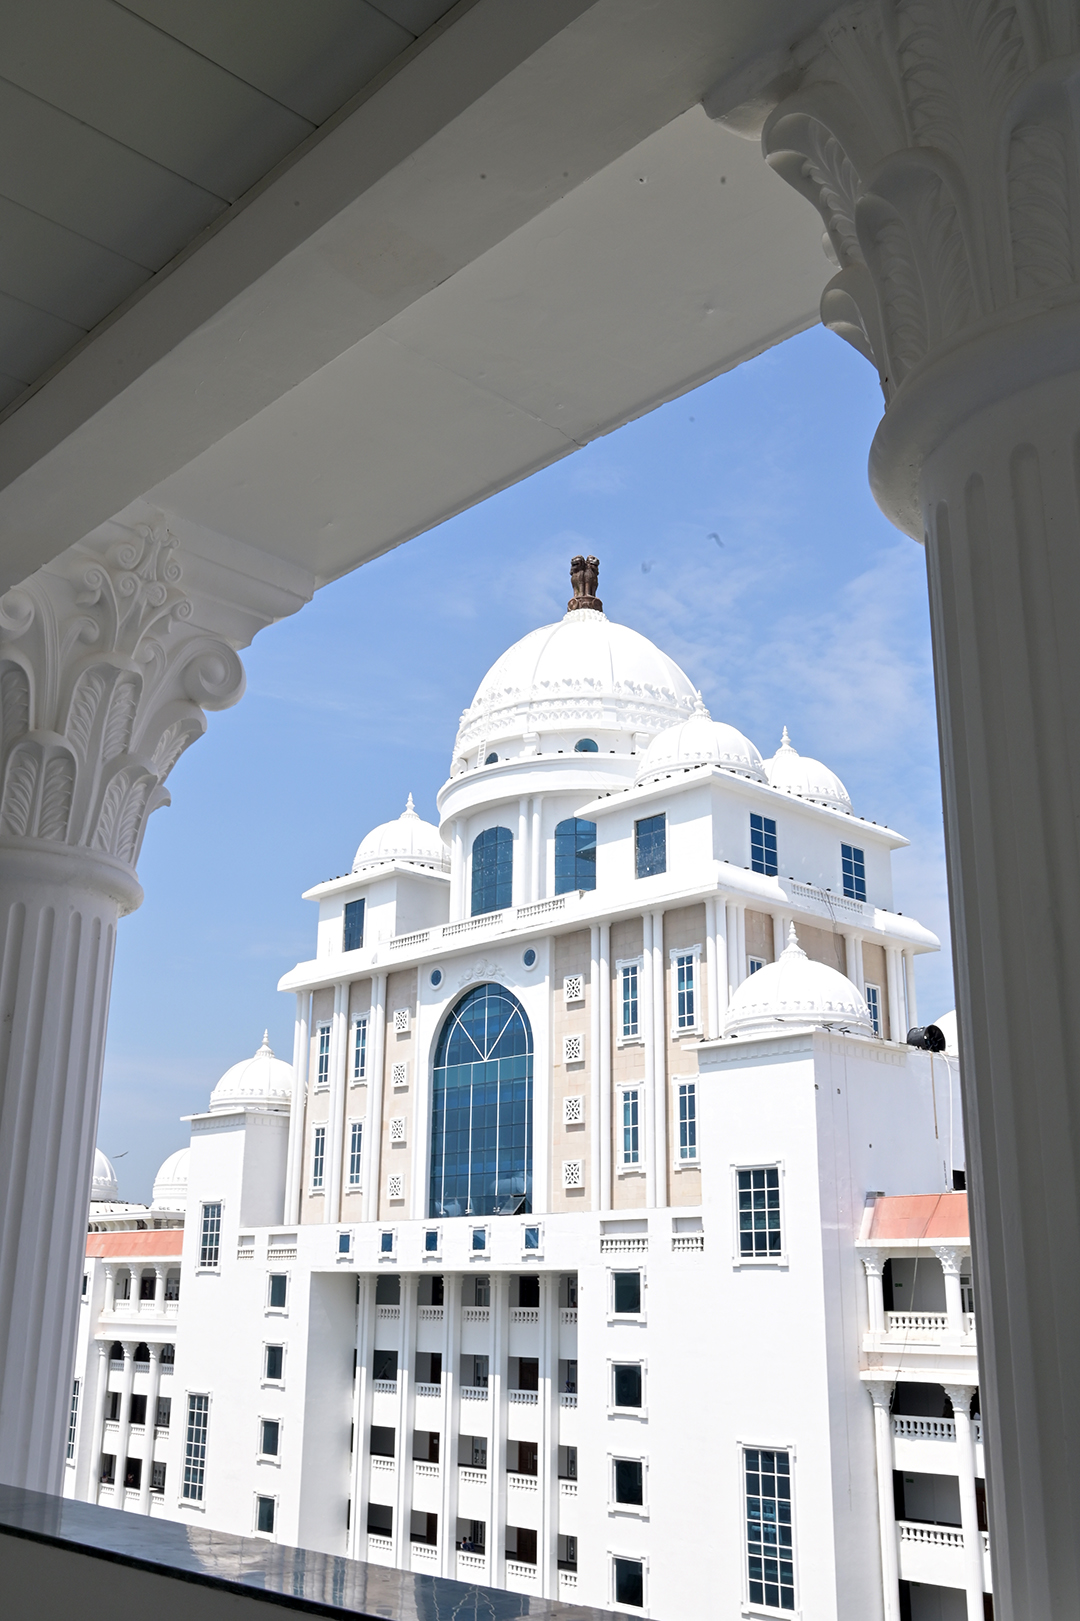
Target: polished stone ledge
{"x":56,"y":1553}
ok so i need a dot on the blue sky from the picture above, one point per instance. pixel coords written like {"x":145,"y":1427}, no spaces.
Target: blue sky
{"x":807,"y":609}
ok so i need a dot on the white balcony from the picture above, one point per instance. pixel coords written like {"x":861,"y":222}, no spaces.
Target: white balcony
{"x":525,"y":1314}
{"x":384,"y":1387}
{"x":474,"y":1393}
{"x":521,"y":1483}
{"x":567,"y":1398}
{"x":523,"y":1398}
{"x":568,"y":1586}
{"x":928,"y":1445}
{"x":934,"y":1554}
{"x":388,"y":1314}
{"x":431,"y":1314}
{"x":472,"y":1567}
{"x":568,"y":1315}
{"x":429,"y":1392}
{"x":380,"y":1550}
{"x":425,"y":1556}
{"x":476,"y":1314}
{"x":468,"y":1477}
{"x":521,"y":1578}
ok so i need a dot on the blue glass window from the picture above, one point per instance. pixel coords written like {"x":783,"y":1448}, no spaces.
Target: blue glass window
{"x":630,"y":973}
{"x":687,"y":1120}
{"x":318,"y":1157}
{"x":585,"y":745}
{"x":481,"y":1108}
{"x":763,"y":844}
{"x":575,"y":855}
{"x":873,"y":1002}
{"x":492,"y":870}
{"x":853,"y":867}
{"x":356,"y":1152}
{"x":685,"y":973}
{"x":354,"y":926}
{"x":770,"y":1562}
{"x":650,"y":845}
{"x":631,"y":1126}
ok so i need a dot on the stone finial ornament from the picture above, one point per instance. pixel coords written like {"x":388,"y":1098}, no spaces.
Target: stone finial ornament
{"x":585,"y":577}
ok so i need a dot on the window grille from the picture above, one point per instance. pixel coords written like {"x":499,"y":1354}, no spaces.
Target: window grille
{"x":359,"y":1072}
{"x":650,"y":846}
{"x":629,"y":988}
{"x":575,"y":855}
{"x":353,"y":931}
{"x":687,"y":1120}
{"x":631,"y":1126}
{"x":318,"y":1157}
{"x":210,"y":1238}
{"x":573,"y":1110}
{"x":401,"y":1021}
{"x":759,"y":1213}
{"x":399,"y":1072}
{"x":356,"y":1152}
{"x":73,"y":1420}
{"x":322,"y":1072}
{"x":573,"y":1049}
{"x":573,"y":1173}
{"x":853,"y":869}
{"x":769,"y":1552}
{"x":685,"y":990}
{"x":395,"y":1187}
{"x":198,"y":1418}
{"x":574,"y":988}
{"x":873,"y":1003}
{"x":763,"y":844}
{"x":397,"y":1128}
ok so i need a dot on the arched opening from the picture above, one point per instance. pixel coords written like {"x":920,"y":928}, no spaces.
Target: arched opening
{"x":481,"y":1108}
{"x":575,"y":855}
{"x":492,"y":870}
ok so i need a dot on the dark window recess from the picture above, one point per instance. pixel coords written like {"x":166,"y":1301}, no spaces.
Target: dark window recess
{"x":524,"y":1544}
{"x":164,"y":1412}
{"x":575,"y":855}
{"x":627,"y":1384}
{"x":425,"y":1445}
{"x":108,"y":1469}
{"x":168,"y":1355}
{"x":627,"y":1290}
{"x":629,"y":1480}
{"x":629,"y":1582}
{"x":384,"y":1365}
{"x":265,"y":1514}
{"x":380,"y":1519}
{"x":279,"y":1284}
{"x":388,"y":1290}
{"x":271,"y":1433}
{"x":157,"y":1478}
{"x":146,"y":1286}
{"x":425,"y":1528}
{"x":763,"y":844}
{"x":133,"y":1473}
{"x":528,"y":1373}
{"x":527,"y":1457}
{"x":959,"y":1181}
{"x":354,"y":926}
{"x":492,"y":870}
{"x":383,"y":1437}
{"x":650,"y":846}
{"x":275,"y":1361}
{"x":138,"y":1409}
{"x":112,"y":1406}
{"x":529,"y":1290}
{"x":428,"y":1367}
{"x":920,"y":1401}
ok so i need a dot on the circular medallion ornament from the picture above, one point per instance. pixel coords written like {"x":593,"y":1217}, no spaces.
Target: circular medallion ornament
{"x":529,"y":958}
{"x":436,"y":977}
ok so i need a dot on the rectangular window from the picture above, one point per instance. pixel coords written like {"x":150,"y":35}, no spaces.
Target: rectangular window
{"x":853,"y":867}
{"x":278,"y":1289}
{"x":763,"y":844}
{"x":264,"y":1514}
{"x":157,"y":1477}
{"x":759,"y":1213}
{"x":318,"y":1157}
{"x":626,"y":1384}
{"x":532,"y":1238}
{"x":629,"y":1481}
{"x":685,"y":966}
{"x":687,"y":1120}
{"x":769,"y":1557}
{"x":631,"y":1126}
{"x":322,"y":1073}
{"x":198,"y":1416}
{"x":650,"y":845}
{"x":629,"y":991}
{"x":873,"y":1002}
{"x":353,"y":932}
{"x":356,"y":1152}
{"x":754,"y":963}
{"x":359,"y":1059}
{"x":626,"y":1292}
{"x":210,"y":1239}
{"x":73,"y":1420}
{"x":275,"y":1361}
{"x":628,"y":1582}
{"x":269,"y":1437}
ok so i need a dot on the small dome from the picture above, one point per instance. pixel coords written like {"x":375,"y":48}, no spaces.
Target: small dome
{"x":700,"y":740}
{"x":105,"y":1188}
{"x":796,"y":990}
{"x":409,"y":839}
{"x":583,"y":674}
{"x":263,"y":1082}
{"x":170,"y":1184}
{"x":795,"y":773}
{"x":947,"y":1025}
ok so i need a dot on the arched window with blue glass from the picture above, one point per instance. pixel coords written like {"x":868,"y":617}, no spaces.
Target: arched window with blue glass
{"x":481,"y":1108}
{"x":492,"y":870}
{"x":575,"y":855}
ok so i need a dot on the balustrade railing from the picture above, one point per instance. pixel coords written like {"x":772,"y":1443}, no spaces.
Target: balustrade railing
{"x":568,"y":1315}
{"x":521,"y":1483}
{"x":386,"y":1387}
{"x":477,"y":1314}
{"x":468,"y":1476}
{"x":923,"y":1429}
{"x":525,"y":1314}
{"x":930,"y":1536}
{"x":517,"y":1571}
{"x":474,"y":1393}
{"x":523,"y":1398}
{"x":429,"y":1390}
{"x":567,"y":1398}
{"x":916,"y":1322}
{"x":432,"y":1314}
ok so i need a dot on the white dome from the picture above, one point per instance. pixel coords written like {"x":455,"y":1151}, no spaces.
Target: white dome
{"x":700,"y":741}
{"x":796,"y":990}
{"x":947,"y":1025}
{"x":171,"y":1182}
{"x":410,"y":839}
{"x":263,"y":1082}
{"x":583,"y":673}
{"x":105,"y":1187}
{"x":796,"y":773}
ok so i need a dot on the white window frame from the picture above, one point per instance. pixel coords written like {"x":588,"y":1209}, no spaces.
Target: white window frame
{"x":781,"y":1257}
{"x":318,"y":1159}
{"x":642,"y":1362}
{"x":753,"y":1608}
{"x":485,"y":1253}
{"x":621,"y":964}
{"x":265,"y":1380}
{"x":198,"y":1503}
{"x":637,"y":1511}
{"x":350,"y":1185}
{"x":639,"y":1316}
{"x":626,"y":1167}
{"x":270,"y":1536}
{"x":754,"y":965}
{"x":209,"y":1266}
{"x":278,"y":1311}
{"x":359,"y":1049}
{"x":538,"y":1253}
{"x":694,"y":953}
{"x":639,"y":1559}
{"x":323,"y":1028}
{"x":435,"y":1254}
{"x":269,"y":1457}
{"x":391,"y":1253}
{"x":680,"y":1162}
{"x":879,"y":1022}
{"x":349,"y":1252}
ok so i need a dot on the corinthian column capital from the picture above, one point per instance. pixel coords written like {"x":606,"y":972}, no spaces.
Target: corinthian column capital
{"x":104,"y":680}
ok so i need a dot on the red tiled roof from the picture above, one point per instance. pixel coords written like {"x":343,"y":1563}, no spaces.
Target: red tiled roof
{"x":169,"y":1241}
{"x":912,"y":1216}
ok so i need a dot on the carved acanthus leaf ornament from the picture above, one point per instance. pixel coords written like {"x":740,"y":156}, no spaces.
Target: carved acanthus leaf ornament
{"x":104,"y":681}
{"x":938,"y":140}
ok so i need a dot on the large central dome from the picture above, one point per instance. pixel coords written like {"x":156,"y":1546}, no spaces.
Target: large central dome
{"x":584,"y":673}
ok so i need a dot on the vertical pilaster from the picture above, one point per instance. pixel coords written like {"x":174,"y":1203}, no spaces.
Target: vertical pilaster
{"x":537,"y":849}
{"x":339,"y":1046}
{"x":657,"y":1125}
{"x":362,"y":1400}
{"x":779,"y":934}
{"x":547,"y":1540}
{"x":960,"y":1396}
{"x":723,"y":972}
{"x":712,"y":1022}
{"x":520,"y":875}
{"x":97,"y":1442}
{"x":897,"y":1022}
{"x":853,"y":960}
{"x":595,"y":1066}
{"x":159,"y":1288}
{"x":909,"y":982}
{"x":951,"y":1266}
{"x":110,"y":1289}
{"x":648,"y":1090}
{"x":880,"y":1393}
{"x":875,"y":1293}
{"x":406,"y":1399}
{"x":497,"y":1400}
{"x":602,"y":1118}
{"x":298,"y":1108}
{"x":376,"y":1088}
{"x":448,"y":1451}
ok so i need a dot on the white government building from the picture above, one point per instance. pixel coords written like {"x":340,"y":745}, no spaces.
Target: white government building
{"x":602,"y":1240}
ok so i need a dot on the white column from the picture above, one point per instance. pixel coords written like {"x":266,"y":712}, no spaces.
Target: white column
{"x":123,"y":1434}
{"x":159,"y":1288}
{"x":958,"y":279}
{"x":731,"y":913}
{"x":853,"y":960}
{"x":294,"y":1168}
{"x":362,"y":1401}
{"x":602,"y":1119}
{"x":595,"y":1066}
{"x":909,"y":980}
{"x":547,"y":1538}
{"x":873,"y":1264}
{"x":110,"y":1289}
{"x":339,"y":1050}
{"x":497,"y":1402}
{"x":520,"y":874}
{"x":406,"y":1392}
{"x":880,"y":1393}
{"x":648,"y":1022}
{"x":712,"y":1024}
{"x":537,"y":850}
{"x":448,"y":1453}
{"x":952,"y":1264}
{"x":457,"y":870}
{"x":103,"y":682}
{"x":897,"y":1024}
{"x":151,"y":1425}
{"x":960,"y":1396}
{"x":104,"y":1347}
{"x":658,"y":1119}
{"x":723,"y":973}
{"x":376,"y":1085}
{"x":779,"y":934}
